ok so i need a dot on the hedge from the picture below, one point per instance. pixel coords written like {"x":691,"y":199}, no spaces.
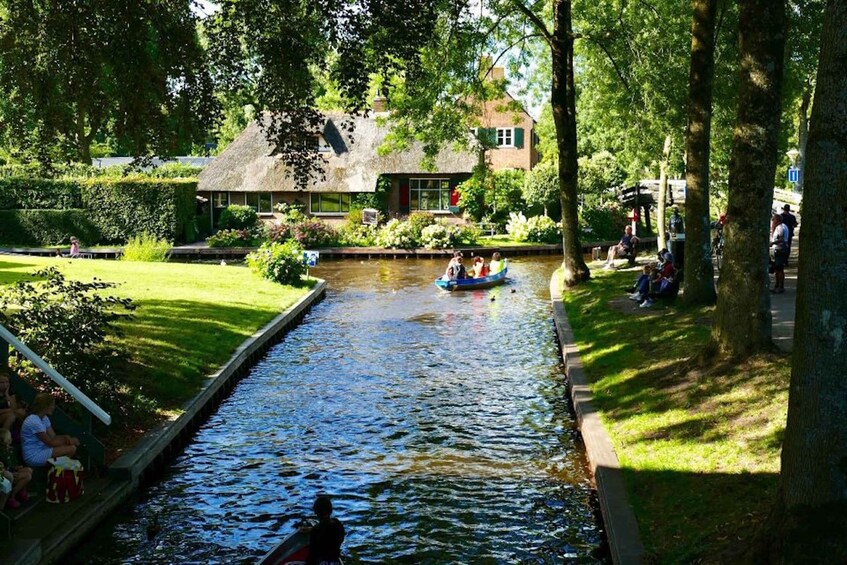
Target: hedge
{"x":121,"y":208}
{"x":47,"y":227}
{"x":20,"y":193}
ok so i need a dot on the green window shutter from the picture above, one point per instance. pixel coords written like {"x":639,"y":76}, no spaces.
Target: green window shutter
{"x":519,"y":138}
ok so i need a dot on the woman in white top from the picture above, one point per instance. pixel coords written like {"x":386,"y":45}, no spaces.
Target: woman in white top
{"x":38,"y":440}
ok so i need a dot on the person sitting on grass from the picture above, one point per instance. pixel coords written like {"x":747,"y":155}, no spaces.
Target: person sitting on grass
{"x":38,"y":440}
{"x":642,"y":285}
{"x":623,"y":247}
{"x":18,"y":474}
{"x":10,"y":411}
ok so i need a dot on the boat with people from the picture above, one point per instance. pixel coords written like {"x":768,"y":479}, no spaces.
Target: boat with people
{"x":489,"y":281}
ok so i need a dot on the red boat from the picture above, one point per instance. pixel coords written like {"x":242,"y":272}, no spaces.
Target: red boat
{"x":293,"y":549}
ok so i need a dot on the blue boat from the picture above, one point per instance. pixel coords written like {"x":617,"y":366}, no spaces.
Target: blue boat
{"x":475,"y":284}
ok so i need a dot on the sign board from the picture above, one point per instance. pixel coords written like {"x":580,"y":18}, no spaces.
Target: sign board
{"x":370,"y":216}
{"x":793,"y":174}
{"x":310,"y":258}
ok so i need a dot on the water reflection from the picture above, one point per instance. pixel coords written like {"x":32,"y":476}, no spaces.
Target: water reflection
{"x":438,"y":422}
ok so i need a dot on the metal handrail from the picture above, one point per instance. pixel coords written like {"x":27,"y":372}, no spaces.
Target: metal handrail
{"x":77,"y":394}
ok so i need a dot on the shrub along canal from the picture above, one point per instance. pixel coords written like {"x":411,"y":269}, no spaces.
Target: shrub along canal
{"x":438,"y":422}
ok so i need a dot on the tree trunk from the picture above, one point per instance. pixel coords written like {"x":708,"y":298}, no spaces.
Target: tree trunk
{"x":663,"y":192}
{"x":743,"y":316}
{"x":83,"y":141}
{"x":803,"y":135}
{"x":563,"y":100}
{"x":699,"y":276}
{"x":811,"y":514}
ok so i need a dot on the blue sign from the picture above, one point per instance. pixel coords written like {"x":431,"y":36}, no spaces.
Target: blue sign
{"x":793,"y":174}
{"x":310,"y":258}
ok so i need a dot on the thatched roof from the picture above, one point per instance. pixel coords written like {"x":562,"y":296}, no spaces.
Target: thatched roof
{"x":353,"y":165}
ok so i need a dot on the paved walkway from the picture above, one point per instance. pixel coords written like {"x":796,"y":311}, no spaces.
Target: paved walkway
{"x":783,"y":307}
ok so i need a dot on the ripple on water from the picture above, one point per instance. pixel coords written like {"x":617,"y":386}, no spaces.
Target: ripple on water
{"x":437,"y":421}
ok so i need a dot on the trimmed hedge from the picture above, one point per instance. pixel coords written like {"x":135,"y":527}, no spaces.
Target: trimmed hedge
{"x":47,"y":227}
{"x":122,"y":208}
{"x":20,"y":193}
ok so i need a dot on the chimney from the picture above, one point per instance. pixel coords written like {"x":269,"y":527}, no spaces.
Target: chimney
{"x":380,"y":105}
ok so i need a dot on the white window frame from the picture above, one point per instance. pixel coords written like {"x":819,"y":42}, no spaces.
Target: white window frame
{"x":506,"y":133}
{"x":321,"y":194}
{"x":217,"y":194}
{"x":413,"y":188}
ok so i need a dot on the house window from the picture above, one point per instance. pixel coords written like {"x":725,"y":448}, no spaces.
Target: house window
{"x":259,"y":201}
{"x":330,"y":202}
{"x":323,"y":146}
{"x":505,"y":137}
{"x":221,"y":200}
{"x":429,"y":194}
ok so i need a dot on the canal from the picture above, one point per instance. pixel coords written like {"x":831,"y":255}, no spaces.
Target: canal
{"x":438,"y":423}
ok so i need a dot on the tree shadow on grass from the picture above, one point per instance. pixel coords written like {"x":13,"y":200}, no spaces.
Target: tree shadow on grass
{"x":175,"y":344}
{"x":695,"y":517}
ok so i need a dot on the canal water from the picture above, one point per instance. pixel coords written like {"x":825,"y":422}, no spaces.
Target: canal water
{"x":438,"y":423}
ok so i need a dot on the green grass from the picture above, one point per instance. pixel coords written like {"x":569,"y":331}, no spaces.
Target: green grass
{"x":501,"y":240}
{"x":190,"y":318}
{"x":698,"y":439}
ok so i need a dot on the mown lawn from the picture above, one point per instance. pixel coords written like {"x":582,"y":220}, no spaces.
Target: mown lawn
{"x":698,"y":439}
{"x":189,"y":317}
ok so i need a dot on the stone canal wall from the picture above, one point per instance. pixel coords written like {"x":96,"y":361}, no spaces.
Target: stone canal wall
{"x":618,"y":517}
{"x":75,"y":521}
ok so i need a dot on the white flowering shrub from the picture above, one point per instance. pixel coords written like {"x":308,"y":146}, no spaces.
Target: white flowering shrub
{"x":542,"y":229}
{"x":396,"y":234}
{"x":517,"y":226}
{"x":436,"y":236}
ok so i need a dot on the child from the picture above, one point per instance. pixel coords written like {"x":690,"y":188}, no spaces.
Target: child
{"x":642,"y":286}
{"x":9,"y":409}
{"x":18,"y":475}
{"x":326,"y":538}
{"x":479,"y":269}
{"x":74,"y":252}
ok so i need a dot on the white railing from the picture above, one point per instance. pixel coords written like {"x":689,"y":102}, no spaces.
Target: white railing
{"x":77,"y":394}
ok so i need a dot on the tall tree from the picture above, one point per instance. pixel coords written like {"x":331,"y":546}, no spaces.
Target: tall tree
{"x":699,"y":276}
{"x":811,"y":516}
{"x":743,"y":317}
{"x":74,"y":70}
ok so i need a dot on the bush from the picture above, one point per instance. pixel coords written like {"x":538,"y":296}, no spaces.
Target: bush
{"x":279,"y":262}
{"x":232,"y":238}
{"x":235,"y":217}
{"x":146,"y":248}
{"x":46,"y":227}
{"x":291,"y":213}
{"x":602,"y":223}
{"x":396,"y":234}
{"x":541,"y":229}
{"x":436,"y":236}
{"x":121,"y":208}
{"x":69,"y":324}
{"x":465,"y":234}
{"x":39,"y":194}
{"x":518,"y":226}
{"x":418,"y":221}
{"x":314,"y":233}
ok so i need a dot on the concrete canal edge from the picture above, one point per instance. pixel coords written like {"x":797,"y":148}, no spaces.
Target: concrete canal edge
{"x":129,"y":473}
{"x":618,"y":517}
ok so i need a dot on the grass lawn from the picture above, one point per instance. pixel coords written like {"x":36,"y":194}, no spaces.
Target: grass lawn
{"x":190,"y":317}
{"x":501,"y":240}
{"x":698,"y":439}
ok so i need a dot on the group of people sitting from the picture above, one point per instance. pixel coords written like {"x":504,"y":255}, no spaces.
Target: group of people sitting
{"x":656,"y":281}
{"x":456,"y":269}
{"x":38,"y":441}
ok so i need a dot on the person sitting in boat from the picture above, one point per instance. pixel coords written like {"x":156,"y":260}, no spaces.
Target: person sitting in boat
{"x":496,"y":264}
{"x":455,"y":269}
{"x":479,"y":268}
{"x":326,"y":537}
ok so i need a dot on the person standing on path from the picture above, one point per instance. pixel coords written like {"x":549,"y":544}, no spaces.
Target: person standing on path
{"x":779,"y":241}
{"x":790,"y":221}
